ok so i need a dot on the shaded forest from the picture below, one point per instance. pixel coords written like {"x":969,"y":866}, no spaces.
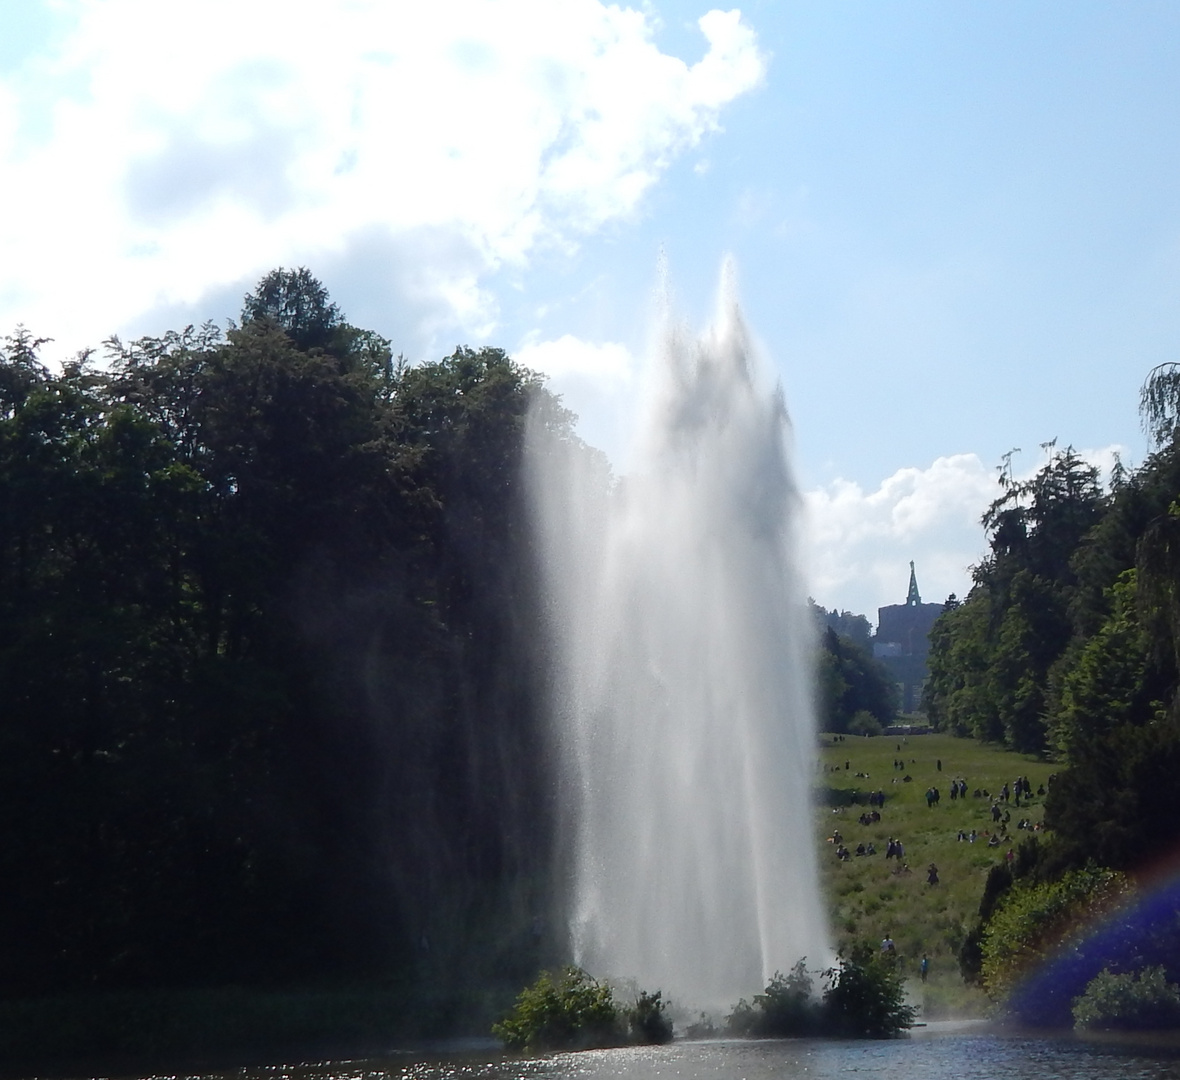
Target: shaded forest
{"x":267,"y":678}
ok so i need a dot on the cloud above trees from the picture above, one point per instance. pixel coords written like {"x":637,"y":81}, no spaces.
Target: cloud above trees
{"x":860,"y":542}
{"x":159,"y":153}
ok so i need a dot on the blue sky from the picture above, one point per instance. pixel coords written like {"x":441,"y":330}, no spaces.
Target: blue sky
{"x":956,"y":225}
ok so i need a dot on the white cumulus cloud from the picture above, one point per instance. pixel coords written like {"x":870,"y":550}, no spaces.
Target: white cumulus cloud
{"x":599,"y":381}
{"x":164,"y":151}
{"x":569,"y":357}
{"x":859,"y":543}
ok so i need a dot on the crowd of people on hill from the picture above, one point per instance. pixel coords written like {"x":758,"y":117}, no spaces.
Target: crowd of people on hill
{"x":1020,"y":788}
{"x":999,"y":806}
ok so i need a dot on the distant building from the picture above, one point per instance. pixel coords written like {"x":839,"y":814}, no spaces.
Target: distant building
{"x":903,"y":642}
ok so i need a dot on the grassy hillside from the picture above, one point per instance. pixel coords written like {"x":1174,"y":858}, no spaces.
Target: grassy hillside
{"x":871,"y":896}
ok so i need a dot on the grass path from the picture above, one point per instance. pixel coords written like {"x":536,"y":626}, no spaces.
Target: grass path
{"x":871,"y":896}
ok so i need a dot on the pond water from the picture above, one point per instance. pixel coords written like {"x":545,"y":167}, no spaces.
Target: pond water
{"x":948,"y":1053}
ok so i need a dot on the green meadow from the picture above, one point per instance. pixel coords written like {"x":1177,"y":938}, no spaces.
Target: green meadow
{"x":870,"y":896}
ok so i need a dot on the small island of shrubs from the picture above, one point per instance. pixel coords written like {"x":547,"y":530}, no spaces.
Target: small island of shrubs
{"x":574,"y":1011}
{"x":864,"y":998}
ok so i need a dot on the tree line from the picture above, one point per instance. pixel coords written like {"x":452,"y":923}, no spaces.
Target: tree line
{"x":269,"y":692}
{"x":1068,"y":645}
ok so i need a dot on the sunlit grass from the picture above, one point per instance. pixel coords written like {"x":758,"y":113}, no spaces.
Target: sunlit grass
{"x":868,"y":897}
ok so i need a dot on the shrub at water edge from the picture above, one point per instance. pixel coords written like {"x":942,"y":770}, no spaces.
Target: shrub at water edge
{"x":1129,"y":1001}
{"x":787,"y":1007}
{"x":1031,"y":921}
{"x":647,"y":1021}
{"x":577,"y":1012}
{"x":865,"y":999}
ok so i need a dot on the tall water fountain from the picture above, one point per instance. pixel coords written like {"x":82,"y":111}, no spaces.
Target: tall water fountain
{"x":683,"y":688}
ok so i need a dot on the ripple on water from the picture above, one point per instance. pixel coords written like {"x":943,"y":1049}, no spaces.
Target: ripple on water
{"x":950,"y":1056}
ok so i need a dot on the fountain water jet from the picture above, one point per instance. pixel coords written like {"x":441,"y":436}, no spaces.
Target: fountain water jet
{"x":683,"y":696}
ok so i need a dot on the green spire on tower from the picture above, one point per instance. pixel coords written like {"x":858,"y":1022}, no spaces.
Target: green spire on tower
{"x":913,"y":599}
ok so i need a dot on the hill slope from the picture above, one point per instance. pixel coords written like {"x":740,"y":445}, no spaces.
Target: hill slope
{"x":872,"y":896}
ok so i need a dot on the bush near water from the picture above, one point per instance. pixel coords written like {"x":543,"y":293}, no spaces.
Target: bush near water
{"x":1131,"y":1001}
{"x":573,"y":1011}
{"x":864,"y":998}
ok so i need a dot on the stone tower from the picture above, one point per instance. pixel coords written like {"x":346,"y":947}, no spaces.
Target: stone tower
{"x":902,"y":643}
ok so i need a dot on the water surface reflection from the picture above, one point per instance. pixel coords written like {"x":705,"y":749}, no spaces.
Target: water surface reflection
{"x":948,"y":1055}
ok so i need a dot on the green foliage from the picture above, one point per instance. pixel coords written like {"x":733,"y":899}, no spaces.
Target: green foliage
{"x":1128,"y":1001}
{"x":569,"y":1012}
{"x":991,"y":656}
{"x":788,"y":1007}
{"x":866,"y":997}
{"x":851,"y":682}
{"x":1122,"y":742}
{"x":648,"y":1021}
{"x":297,"y":303}
{"x":1031,"y":920}
{"x":957,"y":694}
{"x":848,"y":625}
{"x":1158,"y":558}
{"x":1103,"y":687}
{"x":1113,"y":804}
{"x":864,"y":722}
{"x":1159,"y":403}
{"x":270,"y":706}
